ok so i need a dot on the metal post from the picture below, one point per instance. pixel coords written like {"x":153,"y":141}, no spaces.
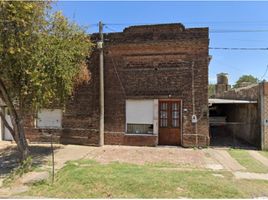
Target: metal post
{"x":101,"y":128}
{"x":52,"y":154}
{"x":261,"y":109}
{"x":193,"y":104}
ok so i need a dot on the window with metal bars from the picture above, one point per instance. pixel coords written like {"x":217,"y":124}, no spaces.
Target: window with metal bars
{"x":140,"y":128}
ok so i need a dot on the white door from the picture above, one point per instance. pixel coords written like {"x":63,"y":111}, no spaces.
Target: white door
{"x":7,"y":134}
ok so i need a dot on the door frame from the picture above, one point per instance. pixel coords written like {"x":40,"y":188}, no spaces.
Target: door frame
{"x":181,"y":115}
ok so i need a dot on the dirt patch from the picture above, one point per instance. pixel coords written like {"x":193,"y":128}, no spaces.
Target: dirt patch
{"x":143,"y":155}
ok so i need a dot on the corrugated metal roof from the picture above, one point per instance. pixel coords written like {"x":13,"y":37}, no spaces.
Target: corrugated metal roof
{"x":229,"y":101}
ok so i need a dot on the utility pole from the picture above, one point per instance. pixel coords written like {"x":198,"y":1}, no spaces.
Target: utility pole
{"x":100,"y":46}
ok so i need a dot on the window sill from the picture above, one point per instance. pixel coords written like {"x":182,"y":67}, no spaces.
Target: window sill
{"x":140,"y":134}
{"x":48,"y":128}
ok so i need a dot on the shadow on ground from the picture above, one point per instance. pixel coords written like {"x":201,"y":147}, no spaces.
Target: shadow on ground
{"x":9,"y":157}
{"x":230,"y":142}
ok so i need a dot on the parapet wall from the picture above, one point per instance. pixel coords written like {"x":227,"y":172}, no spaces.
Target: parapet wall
{"x":250,"y":93}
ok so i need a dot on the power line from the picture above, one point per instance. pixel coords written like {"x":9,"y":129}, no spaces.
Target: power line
{"x":239,"y":48}
{"x":210,"y":31}
{"x":191,"y":22}
{"x":238,"y":31}
{"x":264,"y":73}
{"x":111,"y":29}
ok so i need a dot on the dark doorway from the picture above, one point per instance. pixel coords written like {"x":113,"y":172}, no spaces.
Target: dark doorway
{"x":234,"y":125}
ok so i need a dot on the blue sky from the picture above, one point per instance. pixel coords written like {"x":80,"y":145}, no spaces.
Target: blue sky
{"x":217,"y":16}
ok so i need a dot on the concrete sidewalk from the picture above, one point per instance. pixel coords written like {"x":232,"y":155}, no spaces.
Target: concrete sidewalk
{"x":225,"y":159}
{"x":259,"y":157}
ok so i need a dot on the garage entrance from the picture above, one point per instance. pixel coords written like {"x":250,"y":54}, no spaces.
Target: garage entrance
{"x":234,"y":123}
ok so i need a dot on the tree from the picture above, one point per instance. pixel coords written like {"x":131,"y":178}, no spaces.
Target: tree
{"x":211,"y":90}
{"x":42,"y":55}
{"x":245,"y":79}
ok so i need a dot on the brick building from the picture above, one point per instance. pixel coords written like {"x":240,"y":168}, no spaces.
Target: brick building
{"x":155,"y":80}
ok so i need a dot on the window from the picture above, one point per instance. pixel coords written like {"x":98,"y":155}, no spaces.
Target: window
{"x":49,"y":118}
{"x":164,"y":114}
{"x":140,"y":128}
{"x":139,"y":116}
{"x":175,"y":114}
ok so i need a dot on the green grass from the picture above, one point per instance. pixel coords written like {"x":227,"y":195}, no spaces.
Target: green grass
{"x":246,"y":160}
{"x":264,"y":153}
{"x":89,"y":179}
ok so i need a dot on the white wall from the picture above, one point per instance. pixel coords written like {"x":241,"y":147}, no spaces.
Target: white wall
{"x":142,"y":112}
{"x":155,"y":116}
{"x":49,"y":118}
{"x":1,"y":128}
{"x":7,"y":134}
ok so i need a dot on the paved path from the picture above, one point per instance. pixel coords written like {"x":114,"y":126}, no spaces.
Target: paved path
{"x":5,"y":144}
{"x":249,"y":175}
{"x":224,"y":158}
{"x":70,"y":153}
{"x":259,"y":157}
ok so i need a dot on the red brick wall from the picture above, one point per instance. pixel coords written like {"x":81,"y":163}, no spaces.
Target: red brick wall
{"x":133,"y":140}
{"x":143,"y":62}
{"x":263,"y":110}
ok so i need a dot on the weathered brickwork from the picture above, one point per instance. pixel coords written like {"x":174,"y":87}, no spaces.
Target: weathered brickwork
{"x":143,"y":62}
{"x":250,"y":92}
{"x":134,"y":140}
{"x":263,"y":105}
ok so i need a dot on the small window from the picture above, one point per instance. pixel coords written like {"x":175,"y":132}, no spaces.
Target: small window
{"x":49,"y":118}
{"x":140,"y":128}
{"x":163,"y":114}
{"x":175,"y":114}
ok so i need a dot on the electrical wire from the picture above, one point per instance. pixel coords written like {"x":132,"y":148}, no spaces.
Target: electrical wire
{"x":264,"y":73}
{"x":239,"y":48}
{"x":111,"y":29}
{"x":238,"y":31}
{"x":192,"y":22}
{"x":212,"y":31}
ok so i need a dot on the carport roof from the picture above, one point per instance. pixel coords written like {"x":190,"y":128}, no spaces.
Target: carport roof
{"x":229,"y":101}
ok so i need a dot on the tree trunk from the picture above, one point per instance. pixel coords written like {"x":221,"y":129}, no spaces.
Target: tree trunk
{"x":17,"y":122}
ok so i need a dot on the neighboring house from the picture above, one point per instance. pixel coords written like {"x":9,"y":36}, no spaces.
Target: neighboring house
{"x":239,"y":116}
{"x":156,"y":86}
{"x":4,"y":133}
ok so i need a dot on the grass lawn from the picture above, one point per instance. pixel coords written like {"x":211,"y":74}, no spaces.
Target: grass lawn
{"x":246,"y":160}
{"x":264,"y":153}
{"x":89,"y":179}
